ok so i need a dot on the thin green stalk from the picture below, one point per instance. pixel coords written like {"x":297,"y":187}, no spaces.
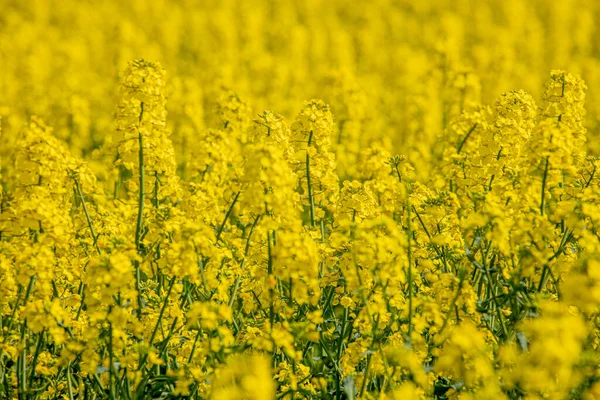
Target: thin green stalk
{"x":544,"y":277}
{"x":14,"y":311}
{"x":158,"y":321}
{"x":339,"y":352}
{"x":156,"y":184}
{"x":327,"y":304}
{"x":22,"y":364}
{"x":229,"y":211}
{"x":544,"y":186}
{"x":328,"y":354}
{"x":462,"y":143}
{"x":140,"y":216}
{"x":191,"y":357}
{"x":29,"y":288}
{"x":409,"y":254}
{"x":367,"y":371}
{"x":591,"y":177}
{"x":270,"y":272}
{"x":546,"y":271}
{"x":82,"y":294}
{"x":69,"y":383}
{"x":462,"y":275}
{"x":87,"y":216}
{"x":495,"y":300}
{"x":435,"y":248}
{"x":138,"y":288}
{"x":38,"y":349}
{"x":236,"y":286}
{"x":168,"y":338}
{"x":22,"y":371}
{"x":309,"y":184}
{"x":111,"y":363}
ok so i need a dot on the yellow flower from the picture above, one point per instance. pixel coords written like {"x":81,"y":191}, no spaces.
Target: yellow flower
{"x":244,"y":377}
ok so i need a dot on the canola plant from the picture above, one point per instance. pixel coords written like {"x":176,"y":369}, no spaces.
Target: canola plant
{"x":308,"y":199}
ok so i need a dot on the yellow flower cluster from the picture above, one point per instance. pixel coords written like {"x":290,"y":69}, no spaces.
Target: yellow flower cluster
{"x":423,"y":228}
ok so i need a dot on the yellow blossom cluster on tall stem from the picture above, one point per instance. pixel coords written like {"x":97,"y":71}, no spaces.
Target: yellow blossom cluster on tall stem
{"x":299,"y":200}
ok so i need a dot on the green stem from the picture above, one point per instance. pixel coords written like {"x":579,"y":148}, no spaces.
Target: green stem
{"x":158,"y":321}
{"x":591,"y":177}
{"x":364,"y":383}
{"x":236,"y":286}
{"x":495,"y":300}
{"x":13,"y":313}
{"x":38,"y":349}
{"x":543,"y":278}
{"x":69,"y":383}
{"x":409,"y":254}
{"x":270,"y":272}
{"x":462,"y":143}
{"x":168,"y":338}
{"x":22,"y":364}
{"x":544,"y":186}
{"x":111,"y":362}
{"x":156,"y":182}
{"x":229,"y":211}
{"x":87,"y":216}
{"x":462,"y":275}
{"x":339,"y":353}
{"x":191,"y":357}
{"x":140,"y":216}
{"x":309,"y":184}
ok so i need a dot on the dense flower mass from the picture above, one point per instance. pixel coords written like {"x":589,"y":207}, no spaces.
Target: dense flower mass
{"x":413,"y":216}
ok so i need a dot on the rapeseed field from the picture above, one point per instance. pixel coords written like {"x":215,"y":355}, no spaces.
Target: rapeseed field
{"x":304,"y":199}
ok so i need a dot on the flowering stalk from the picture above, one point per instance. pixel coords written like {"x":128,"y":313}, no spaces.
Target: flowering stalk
{"x":545,"y":176}
{"x":140,"y":215}
{"x":409,"y":234}
{"x":227,"y":215}
{"x":87,"y":216}
{"x":311,"y":199}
